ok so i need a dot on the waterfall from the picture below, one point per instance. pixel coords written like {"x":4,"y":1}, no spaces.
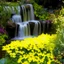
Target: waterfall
{"x":28,"y":15}
{"x":24,"y":29}
{"x":31,"y":11}
{"x":24,"y":13}
{"x":21,"y":30}
{"x":24,"y":19}
{"x":16,"y":18}
{"x":36,"y":31}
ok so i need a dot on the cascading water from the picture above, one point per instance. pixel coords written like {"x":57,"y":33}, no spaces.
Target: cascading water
{"x":31,"y":11}
{"x":24,"y":27}
{"x":16,"y":18}
{"x":36,"y":31}
{"x":23,"y":30}
{"x":28,"y":14}
{"x":24,"y":19}
{"x":24,"y":15}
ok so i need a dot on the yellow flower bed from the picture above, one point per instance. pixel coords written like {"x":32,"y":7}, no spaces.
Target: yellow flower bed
{"x":36,"y":50}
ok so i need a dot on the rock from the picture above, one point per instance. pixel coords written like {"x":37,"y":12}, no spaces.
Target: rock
{"x":32,"y":24}
{"x":10,"y":28}
{"x":46,"y":26}
{"x":43,"y":26}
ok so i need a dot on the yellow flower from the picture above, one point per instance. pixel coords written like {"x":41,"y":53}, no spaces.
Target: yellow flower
{"x":9,"y":51}
{"x":49,"y":61}
{"x":32,"y":49}
{"x":19,"y":60}
{"x":26,"y":62}
{"x":13,"y":55}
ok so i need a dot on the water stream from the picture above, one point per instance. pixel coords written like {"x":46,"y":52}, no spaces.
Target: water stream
{"x":28,"y":15}
{"x":24,"y":26}
{"x":23,"y":30}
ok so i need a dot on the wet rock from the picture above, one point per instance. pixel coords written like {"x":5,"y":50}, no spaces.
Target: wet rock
{"x":10,"y":28}
{"x":46,"y":26}
{"x":43,"y":26}
{"x":32,"y":24}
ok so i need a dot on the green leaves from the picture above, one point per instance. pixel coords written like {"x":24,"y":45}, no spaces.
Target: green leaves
{"x":40,"y":12}
{"x":2,"y":39}
{"x":59,"y":49}
{"x":6,"y":10}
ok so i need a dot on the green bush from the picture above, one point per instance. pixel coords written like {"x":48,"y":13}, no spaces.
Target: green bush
{"x":40,"y":12}
{"x":62,"y":11}
{"x":5,"y":13}
{"x":2,"y":39}
{"x":4,"y":16}
{"x":59,"y":49}
{"x":37,"y":50}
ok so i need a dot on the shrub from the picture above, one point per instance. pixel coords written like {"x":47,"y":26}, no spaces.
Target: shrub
{"x":59,"y":49}
{"x":40,"y":12}
{"x":2,"y":39}
{"x":62,"y":11}
{"x":6,"y":10}
{"x":3,"y":35}
{"x":32,"y":50}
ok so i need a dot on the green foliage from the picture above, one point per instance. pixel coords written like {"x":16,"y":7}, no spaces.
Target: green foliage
{"x":31,"y":50}
{"x":5,"y":13}
{"x":2,"y":39}
{"x":4,"y":16}
{"x":51,"y":16}
{"x":62,"y":11}
{"x":10,"y":60}
{"x":2,"y":1}
{"x":40,"y":12}
{"x":12,"y":3}
{"x":59,"y":49}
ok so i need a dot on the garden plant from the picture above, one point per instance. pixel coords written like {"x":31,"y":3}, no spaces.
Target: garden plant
{"x":32,"y":50}
{"x":43,"y":49}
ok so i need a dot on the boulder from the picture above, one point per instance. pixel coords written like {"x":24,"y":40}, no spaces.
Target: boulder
{"x":10,"y":28}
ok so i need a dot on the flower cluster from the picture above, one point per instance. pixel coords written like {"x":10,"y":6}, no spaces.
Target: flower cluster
{"x":35,"y":50}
